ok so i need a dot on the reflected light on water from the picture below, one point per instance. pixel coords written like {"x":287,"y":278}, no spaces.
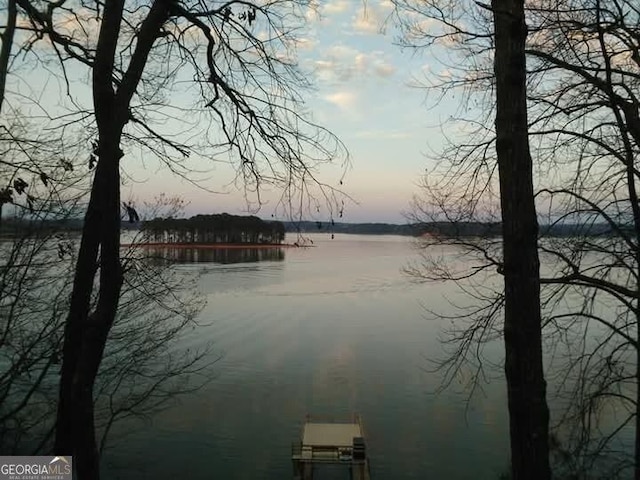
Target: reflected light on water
{"x":216,"y":255}
{"x":331,"y":330}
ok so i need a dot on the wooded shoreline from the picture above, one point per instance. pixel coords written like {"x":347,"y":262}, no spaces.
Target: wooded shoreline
{"x":213,"y":246}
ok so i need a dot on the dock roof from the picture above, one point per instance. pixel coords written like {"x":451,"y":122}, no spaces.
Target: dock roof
{"x":330,"y":434}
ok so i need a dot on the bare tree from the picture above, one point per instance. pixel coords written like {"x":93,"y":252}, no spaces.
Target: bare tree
{"x":526,"y":385}
{"x":144,"y":367}
{"x":519,"y":263}
{"x":582,"y":99}
{"x":238,"y":57}
{"x":6,"y":37}
{"x":586,"y":116}
{"x":42,"y":180}
{"x":30,"y":154}
{"x":31,"y":313}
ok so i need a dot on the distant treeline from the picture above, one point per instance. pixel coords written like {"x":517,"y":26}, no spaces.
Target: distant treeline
{"x":219,"y":228}
{"x":480,"y":229}
{"x":251,"y":229}
{"x":449,"y":229}
{"x":353,"y":228}
{"x":10,"y":226}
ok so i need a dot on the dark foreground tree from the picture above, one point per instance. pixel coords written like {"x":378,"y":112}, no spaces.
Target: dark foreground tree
{"x":583,"y":82}
{"x":238,"y":56}
{"x":42,"y":184}
{"x":143,"y":367}
{"x":526,"y":386}
{"x":468,"y":27}
{"x":585,"y":114}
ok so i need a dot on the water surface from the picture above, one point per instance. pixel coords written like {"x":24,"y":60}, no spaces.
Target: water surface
{"x":330,"y":330}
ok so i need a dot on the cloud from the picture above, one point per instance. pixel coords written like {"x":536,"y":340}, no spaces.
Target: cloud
{"x":312,"y":13}
{"x":384,"y":69}
{"x":335,"y":7}
{"x":419,"y":78}
{"x":82,"y":26}
{"x":324,"y":11}
{"x":382,"y":135}
{"x":419,"y":25}
{"x":305,"y":43}
{"x":344,"y":100}
{"x":367,"y":21}
{"x":341,"y":63}
{"x":371,"y":18}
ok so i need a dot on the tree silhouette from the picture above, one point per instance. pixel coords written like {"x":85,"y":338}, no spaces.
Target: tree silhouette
{"x":247,"y":107}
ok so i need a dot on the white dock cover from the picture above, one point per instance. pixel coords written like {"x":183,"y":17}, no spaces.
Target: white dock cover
{"x":330,"y":434}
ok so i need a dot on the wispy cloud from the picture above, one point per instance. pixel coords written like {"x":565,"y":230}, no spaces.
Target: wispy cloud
{"x":333,"y":7}
{"x":382,"y":134}
{"x":371,"y":18}
{"x":384,"y":69}
{"x":341,"y":63}
{"x":418,"y":79}
{"x":367,"y":21}
{"x":312,"y":13}
{"x":344,"y":100}
{"x":325,"y":11}
{"x":305,"y":43}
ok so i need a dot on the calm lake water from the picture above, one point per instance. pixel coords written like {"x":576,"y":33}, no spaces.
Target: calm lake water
{"x":331,"y":330}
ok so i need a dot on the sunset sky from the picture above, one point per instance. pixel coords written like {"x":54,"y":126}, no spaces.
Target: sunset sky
{"x":366,"y":94}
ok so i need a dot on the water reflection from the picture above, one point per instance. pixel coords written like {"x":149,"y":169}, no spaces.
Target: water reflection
{"x":335,"y":330}
{"x":217,"y":255}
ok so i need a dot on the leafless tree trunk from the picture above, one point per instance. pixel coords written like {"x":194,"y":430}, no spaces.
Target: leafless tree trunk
{"x":5,"y":49}
{"x":86,"y":333}
{"x":526,"y":387}
{"x":583,"y":76}
{"x":469,"y":30}
{"x":251,"y":94}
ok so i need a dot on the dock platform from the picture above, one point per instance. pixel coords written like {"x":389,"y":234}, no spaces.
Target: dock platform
{"x":330,"y":443}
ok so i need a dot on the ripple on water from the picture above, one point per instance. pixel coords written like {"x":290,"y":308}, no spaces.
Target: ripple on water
{"x":331,"y":331}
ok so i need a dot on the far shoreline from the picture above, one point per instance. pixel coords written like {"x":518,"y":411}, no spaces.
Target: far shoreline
{"x":214,"y":246}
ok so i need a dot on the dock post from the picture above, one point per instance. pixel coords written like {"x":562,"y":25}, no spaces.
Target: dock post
{"x":307,"y":471}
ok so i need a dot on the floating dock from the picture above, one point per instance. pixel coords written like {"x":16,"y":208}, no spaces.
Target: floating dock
{"x":330,"y":443}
